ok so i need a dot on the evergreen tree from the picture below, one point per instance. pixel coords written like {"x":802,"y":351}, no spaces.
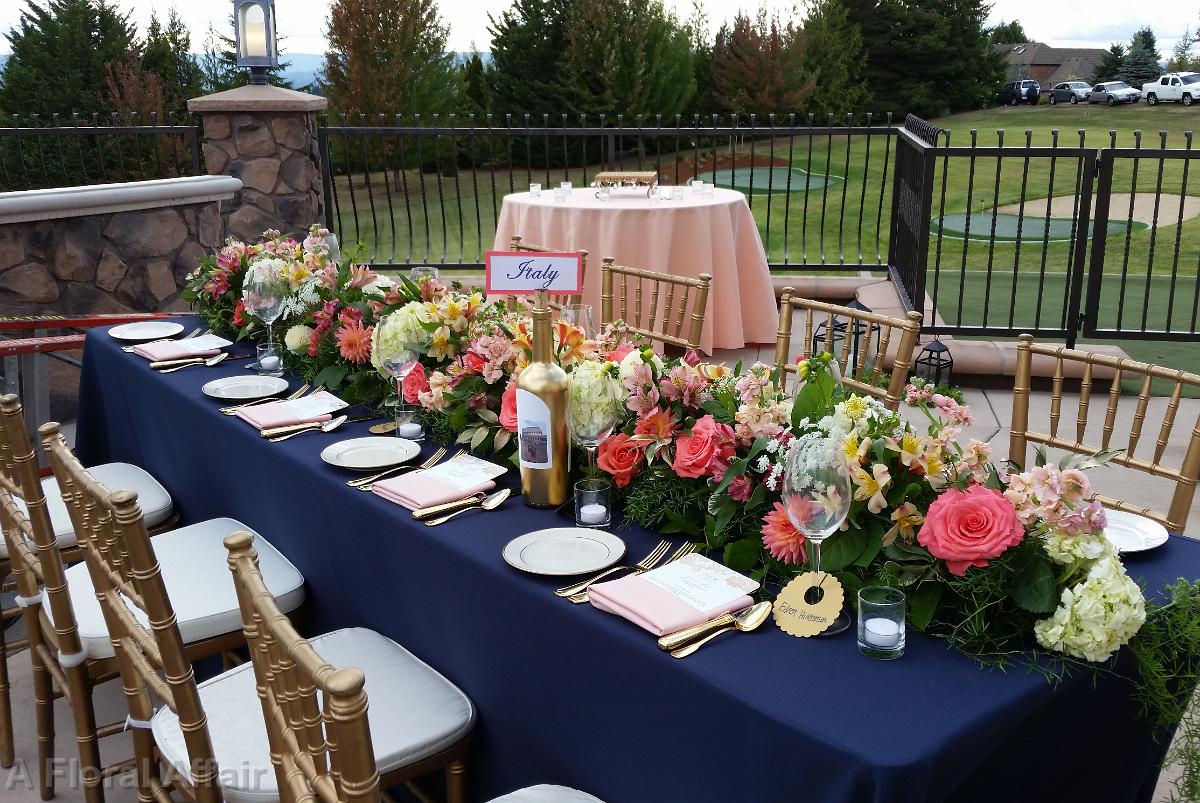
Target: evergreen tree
{"x":1007,"y":33}
{"x":474,"y":81}
{"x":1110,"y":66}
{"x":703,"y":101}
{"x":1139,"y":67}
{"x":626,"y":57}
{"x":833,"y":56}
{"x":528,"y":42}
{"x":218,"y":64}
{"x":167,"y":54}
{"x":60,"y":49}
{"x":1183,"y":58}
{"x":1144,"y":39}
{"x":758,"y":66}
{"x":389,"y":56}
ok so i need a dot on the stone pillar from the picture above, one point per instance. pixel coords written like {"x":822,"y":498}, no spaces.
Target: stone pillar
{"x":266,"y":137}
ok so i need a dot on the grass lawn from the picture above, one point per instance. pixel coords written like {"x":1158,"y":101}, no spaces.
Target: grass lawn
{"x":404,"y":216}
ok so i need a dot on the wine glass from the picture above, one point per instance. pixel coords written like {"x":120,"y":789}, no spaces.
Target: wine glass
{"x":335,"y":248}
{"x":816,"y":495}
{"x":264,"y":291}
{"x":399,"y":364}
{"x":581,"y":316}
{"x":594,"y":409}
{"x":421,"y":273}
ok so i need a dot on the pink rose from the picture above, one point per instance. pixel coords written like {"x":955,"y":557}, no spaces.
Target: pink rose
{"x":968,"y":528}
{"x":508,"y":408}
{"x":415,"y":384}
{"x":473,"y":362}
{"x":707,"y":442}
{"x":621,"y":456}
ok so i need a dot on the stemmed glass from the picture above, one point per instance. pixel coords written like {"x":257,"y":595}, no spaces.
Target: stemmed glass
{"x":580,"y":315}
{"x":264,"y":291}
{"x":421,"y":272}
{"x":593,"y":411}
{"x":816,"y":496}
{"x":399,"y":364}
{"x":335,"y":248}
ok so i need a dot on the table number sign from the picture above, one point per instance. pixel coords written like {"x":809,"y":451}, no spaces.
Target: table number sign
{"x":797,"y":617}
{"x":521,"y":272}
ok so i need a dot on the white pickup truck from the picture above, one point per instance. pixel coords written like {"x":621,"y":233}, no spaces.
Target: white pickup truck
{"x":1174,"y":86}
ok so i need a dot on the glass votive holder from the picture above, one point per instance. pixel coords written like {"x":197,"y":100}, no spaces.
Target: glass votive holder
{"x":560,"y":195}
{"x":420,"y":273}
{"x":655,"y":198}
{"x":593,"y":504}
{"x":665,"y":193}
{"x":269,"y":362}
{"x":535,"y":190}
{"x":709,"y":190}
{"x":697,"y":187}
{"x":408,"y":422}
{"x":566,"y":185}
{"x":881,"y":622}
{"x":604,"y":194}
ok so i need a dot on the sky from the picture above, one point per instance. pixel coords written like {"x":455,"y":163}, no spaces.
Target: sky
{"x":1066,"y":23}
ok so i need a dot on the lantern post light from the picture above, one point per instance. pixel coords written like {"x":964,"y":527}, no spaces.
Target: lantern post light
{"x":856,"y":330}
{"x":935,"y":364}
{"x":254,"y":37}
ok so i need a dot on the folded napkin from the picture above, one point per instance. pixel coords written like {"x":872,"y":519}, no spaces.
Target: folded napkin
{"x":712,"y":589}
{"x":417,"y":490}
{"x":180,"y":349}
{"x":312,"y":409}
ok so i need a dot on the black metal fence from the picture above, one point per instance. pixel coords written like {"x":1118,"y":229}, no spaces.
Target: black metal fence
{"x":36,"y":152}
{"x":417,"y":191}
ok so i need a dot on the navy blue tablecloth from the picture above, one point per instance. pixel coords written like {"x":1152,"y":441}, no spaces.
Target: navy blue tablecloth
{"x":567,"y":694}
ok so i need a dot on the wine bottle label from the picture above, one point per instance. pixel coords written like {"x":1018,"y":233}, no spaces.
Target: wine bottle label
{"x":533,"y":431}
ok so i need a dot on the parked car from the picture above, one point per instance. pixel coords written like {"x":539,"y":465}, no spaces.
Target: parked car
{"x":1183,"y":87}
{"x":1015,"y":93}
{"x":1114,"y":92}
{"x":1069,"y":92}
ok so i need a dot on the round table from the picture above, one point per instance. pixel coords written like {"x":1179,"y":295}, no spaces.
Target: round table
{"x":684,"y":237}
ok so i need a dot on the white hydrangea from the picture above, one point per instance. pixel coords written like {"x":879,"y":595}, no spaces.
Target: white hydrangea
{"x":379,"y":285}
{"x":1067,"y":549}
{"x":635,"y":358}
{"x":595,"y":400}
{"x":1096,"y":616}
{"x":764,"y":462}
{"x":297,"y":337}
{"x":401,"y":330}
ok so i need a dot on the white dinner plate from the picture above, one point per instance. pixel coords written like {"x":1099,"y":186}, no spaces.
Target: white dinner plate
{"x":145,"y":330}
{"x":244,"y":388}
{"x":1129,"y":532}
{"x":366,"y":454}
{"x":562,"y":551}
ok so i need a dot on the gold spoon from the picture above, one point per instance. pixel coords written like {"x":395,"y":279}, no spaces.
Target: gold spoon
{"x":487,"y":503}
{"x":210,"y":362}
{"x":745,"y":621}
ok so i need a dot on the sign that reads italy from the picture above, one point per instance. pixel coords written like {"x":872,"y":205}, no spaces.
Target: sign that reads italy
{"x":517,"y":272}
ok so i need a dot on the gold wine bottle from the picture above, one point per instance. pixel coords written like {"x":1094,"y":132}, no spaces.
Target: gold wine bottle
{"x":542,"y":418}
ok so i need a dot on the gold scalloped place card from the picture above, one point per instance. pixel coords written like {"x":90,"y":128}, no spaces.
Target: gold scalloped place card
{"x":797,"y":617}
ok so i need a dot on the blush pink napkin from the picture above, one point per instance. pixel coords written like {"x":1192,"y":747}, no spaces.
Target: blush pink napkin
{"x":416,"y":490}
{"x":170,"y":350}
{"x":274,"y":414}
{"x":652,"y":608}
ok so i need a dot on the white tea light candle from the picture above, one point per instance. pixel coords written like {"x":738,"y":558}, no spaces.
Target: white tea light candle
{"x":593,"y":514}
{"x":880,"y":632}
{"x":411,"y":431}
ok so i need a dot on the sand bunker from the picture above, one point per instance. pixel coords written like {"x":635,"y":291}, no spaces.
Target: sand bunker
{"x":1118,"y":209}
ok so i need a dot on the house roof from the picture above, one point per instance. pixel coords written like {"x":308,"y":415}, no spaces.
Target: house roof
{"x":1066,"y":62}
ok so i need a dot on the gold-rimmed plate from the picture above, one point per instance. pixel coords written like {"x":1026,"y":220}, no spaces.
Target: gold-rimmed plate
{"x":1129,"y":532}
{"x":244,"y":388}
{"x":141,"y":331}
{"x":564,"y":551}
{"x":370,"y":454}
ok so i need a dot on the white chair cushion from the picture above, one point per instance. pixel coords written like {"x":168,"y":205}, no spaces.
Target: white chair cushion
{"x":413,"y":713}
{"x":154,"y":499}
{"x":196,"y":573}
{"x":545,"y":793}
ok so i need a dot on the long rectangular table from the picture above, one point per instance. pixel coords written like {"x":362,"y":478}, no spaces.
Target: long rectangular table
{"x":567,"y":694}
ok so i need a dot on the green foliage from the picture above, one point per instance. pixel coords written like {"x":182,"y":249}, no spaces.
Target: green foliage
{"x":1183,"y":58}
{"x":657,"y":492}
{"x":1144,"y":39}
{"x":928,"y":57}
{"x":167,"y":54}
{"x":758,"y":65}
{"x":474,"y":81}
{"x":528,"y":40}
{"x":833,"y":56}
{"x":1007,"y":33}
{"x":60,"y":49}
{"x":1109,"y":67}
{"x":1140,"y":66}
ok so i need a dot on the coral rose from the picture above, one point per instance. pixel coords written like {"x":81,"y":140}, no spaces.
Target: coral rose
{"x":621,"y":456}
{"x":415,"y":384}
{"x":969,"y":528}
{"x":508,"y":408}
{"x":708,"y":442}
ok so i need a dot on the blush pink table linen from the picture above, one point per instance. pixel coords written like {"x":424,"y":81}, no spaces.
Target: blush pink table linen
{"x":415,"y":491}
{"x":683,"y":237}
{"x":653,"y":608}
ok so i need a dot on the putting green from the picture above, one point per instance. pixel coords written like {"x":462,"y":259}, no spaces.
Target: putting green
{"x":768,"y":179}
{"x":1032,"y":228}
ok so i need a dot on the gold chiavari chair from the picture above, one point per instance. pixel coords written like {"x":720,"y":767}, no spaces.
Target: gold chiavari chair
{"x":325,"y":743}
{"x":860,"y":365}
{"x":122,"y":586}
{"x":666,"y":317}
{"x":1185,"y":477}
{"x":19,"y":466}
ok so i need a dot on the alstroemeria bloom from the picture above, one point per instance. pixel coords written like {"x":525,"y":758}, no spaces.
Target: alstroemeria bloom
{"x":905,"y":518}
{"x":908,"y":445}
{"x":870,"y":487}
{"x":856,"y":451}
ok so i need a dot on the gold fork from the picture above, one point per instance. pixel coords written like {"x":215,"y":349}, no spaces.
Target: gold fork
{"x":686,"y":549}
{"x":366,"y":483}
{"x":297,"y":393}
{"x":647,"y":562}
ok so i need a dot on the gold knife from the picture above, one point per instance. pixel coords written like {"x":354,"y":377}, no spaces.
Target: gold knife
{"x":673,"y":641}
{"x":422,"y":513}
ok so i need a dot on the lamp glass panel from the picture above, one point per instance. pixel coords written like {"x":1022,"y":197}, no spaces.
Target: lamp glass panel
{"x":253,"y":30}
